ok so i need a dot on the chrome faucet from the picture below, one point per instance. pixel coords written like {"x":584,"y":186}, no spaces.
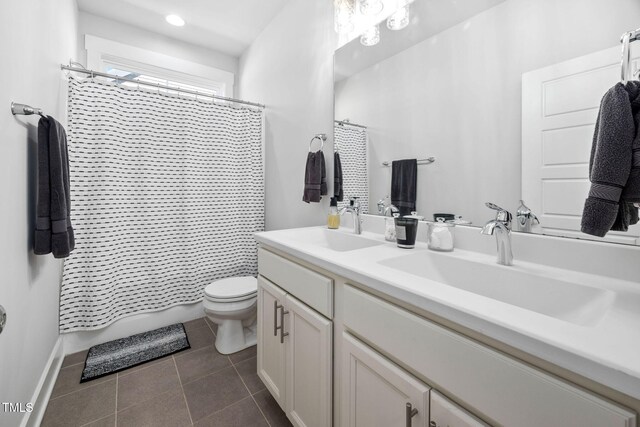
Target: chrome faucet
{"x":501,"y":228}
{"x":354,"y":208}
{"x":525,"y":218}
{"x":387,"y":209}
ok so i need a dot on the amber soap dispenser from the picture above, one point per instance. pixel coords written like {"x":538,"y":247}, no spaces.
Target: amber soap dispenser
{"x":333,"y":219}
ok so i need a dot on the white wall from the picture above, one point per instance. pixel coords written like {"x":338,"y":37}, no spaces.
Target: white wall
{"x":35,"y":37}
{"x":457,"y":96}
{"x":289,"y":68}
{"x":123,"y":33}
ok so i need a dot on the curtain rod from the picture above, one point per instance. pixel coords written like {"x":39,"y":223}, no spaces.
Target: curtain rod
{"x":346,"y":122}
{"x":159,"y":86}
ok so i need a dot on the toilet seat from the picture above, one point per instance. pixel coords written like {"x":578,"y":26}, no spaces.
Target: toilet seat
{"x":232,"y":289}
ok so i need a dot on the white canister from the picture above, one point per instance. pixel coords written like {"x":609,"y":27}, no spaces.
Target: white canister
{"x":440,"y":235}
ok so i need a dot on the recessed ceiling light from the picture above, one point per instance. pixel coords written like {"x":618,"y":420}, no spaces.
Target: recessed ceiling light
{"x":175,"y":20}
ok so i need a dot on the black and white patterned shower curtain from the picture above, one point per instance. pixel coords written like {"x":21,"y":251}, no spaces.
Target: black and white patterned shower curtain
{"x":166,"y":192}
{"x":351,"y":142}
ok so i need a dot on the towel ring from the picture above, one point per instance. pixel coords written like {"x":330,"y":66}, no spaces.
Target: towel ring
{"x":322,"y":137}
{"x":626,"y":58}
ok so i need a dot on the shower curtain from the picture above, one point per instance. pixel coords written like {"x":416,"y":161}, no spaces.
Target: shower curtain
{"x":166,"y":192}
{"x":351,"y":143}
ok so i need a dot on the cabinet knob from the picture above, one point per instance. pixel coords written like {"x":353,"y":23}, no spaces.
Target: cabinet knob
{"x":411,"y":412}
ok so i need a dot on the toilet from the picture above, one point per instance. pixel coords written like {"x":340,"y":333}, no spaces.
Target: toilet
{"x":231,"y":304}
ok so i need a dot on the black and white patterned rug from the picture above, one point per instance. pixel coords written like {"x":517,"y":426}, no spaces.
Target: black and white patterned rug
{"x":123,"y":353}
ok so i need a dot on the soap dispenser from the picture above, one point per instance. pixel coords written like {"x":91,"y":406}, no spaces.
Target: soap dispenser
{"x":333,"y":219}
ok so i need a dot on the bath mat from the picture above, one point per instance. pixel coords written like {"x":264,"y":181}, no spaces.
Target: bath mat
{"x":123,"y":353}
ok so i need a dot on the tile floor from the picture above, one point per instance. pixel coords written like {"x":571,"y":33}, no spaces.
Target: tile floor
{"x":195,"y":387}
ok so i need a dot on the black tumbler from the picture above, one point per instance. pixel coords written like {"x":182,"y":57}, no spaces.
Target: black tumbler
{"x":406,"y":231}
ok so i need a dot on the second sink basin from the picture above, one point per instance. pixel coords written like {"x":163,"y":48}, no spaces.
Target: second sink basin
{"x":564,"y":300}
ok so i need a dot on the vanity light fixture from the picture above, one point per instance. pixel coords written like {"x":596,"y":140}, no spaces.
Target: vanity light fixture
{"x":371,"y":36}
{"x":344,"y":12}
{"x":399,"y":19}
{"x":175,"y":20}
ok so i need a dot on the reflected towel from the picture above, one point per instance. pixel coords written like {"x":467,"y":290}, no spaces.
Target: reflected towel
{"x":315,"y":178}
{"x":54,"y":232}
{"x":404,"y":183}
{"x":338,"y":191}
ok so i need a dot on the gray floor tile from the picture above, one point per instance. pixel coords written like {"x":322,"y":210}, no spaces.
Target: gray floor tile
{"x":146,"y":383}
{"x":245,"y":354}
{"x":68,"y":380}
{"x":214,"y":326}
{"x":199,"y":363}
{"x":214,"y":392}
{"x":165,"y":410}
{"x":248,"y":370}
{"x":83,"y":406}
{"x":109,"y":421}
{"x":194,"y":324}
{"x":271,"y":409}
{"x":242,"y":414}
{"x":75,"y":358}
{"x":145,"y":365}
{"x":199,"y":338}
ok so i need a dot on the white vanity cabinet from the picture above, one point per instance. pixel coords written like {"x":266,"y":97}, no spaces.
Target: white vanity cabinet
{"x":376,"y":393}
{"x":295,"y":341}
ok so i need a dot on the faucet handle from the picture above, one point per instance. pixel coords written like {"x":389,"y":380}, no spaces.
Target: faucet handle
{"x":502,"y":215}
{"x":353,"y":201}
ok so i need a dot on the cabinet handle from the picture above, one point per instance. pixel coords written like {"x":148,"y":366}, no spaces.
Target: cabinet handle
{"x":275,"y":318}
{"x":282,"y":332}
{"x":277,"y":307}
{"x":433,"y":424}
{"x":411,"y":412}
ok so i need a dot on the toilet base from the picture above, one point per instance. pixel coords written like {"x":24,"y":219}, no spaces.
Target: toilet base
{"x":233,"y":337}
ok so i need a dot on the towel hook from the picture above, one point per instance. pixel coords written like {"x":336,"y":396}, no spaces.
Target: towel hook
{"x":322,"y":137}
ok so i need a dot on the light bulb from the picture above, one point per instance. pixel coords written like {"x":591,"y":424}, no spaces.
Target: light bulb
{"x":371,"y":36}
{"x":371,"y":7}
{"x":175,"y":20}
{"x":399,"y":19}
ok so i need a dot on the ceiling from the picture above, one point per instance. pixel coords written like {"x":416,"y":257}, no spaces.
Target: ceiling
{"x":227,"y":26}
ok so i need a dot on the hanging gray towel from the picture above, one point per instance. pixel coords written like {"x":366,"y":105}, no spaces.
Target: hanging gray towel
{"x":338,"y":191}
{"x":53,"y":233}
{"x":315,"y":178}
{"x":404,"y":183}
{"x":614,"y":166}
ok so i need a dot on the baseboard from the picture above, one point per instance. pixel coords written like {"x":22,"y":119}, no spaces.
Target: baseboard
{"x":82,"y":340}
{"x":43,"y":391}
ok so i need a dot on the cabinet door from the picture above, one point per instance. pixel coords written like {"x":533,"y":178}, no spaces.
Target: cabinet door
{"x":445,"y":413}
{"x":271,"y":351}
{"x":309,"y":365}
{"x":376,"y":393}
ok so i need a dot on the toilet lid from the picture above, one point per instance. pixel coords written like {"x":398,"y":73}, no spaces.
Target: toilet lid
{"x":232,"y":287}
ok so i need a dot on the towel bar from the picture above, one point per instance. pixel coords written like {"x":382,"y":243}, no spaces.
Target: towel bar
{"x":25,"y":110}
{"x":420,"y":161}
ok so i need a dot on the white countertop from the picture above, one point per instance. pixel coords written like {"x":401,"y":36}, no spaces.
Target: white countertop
{"x":607,"y":352}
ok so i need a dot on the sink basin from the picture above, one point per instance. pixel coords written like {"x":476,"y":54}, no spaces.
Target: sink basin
{"x":336,"y":240}
{"x":564,"y":300}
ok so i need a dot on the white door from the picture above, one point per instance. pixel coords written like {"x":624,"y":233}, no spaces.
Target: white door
{"x":445,"y":413}
{"x":559,"y":109}
{"x":271,"y":351}
{"x":377,"y":393}
{"x":309,"y":367}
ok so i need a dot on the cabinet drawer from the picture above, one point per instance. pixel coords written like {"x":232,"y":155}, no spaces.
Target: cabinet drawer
{"x":312,"y":288}
{"x":506,"y":391}
{"x":445,"y":413}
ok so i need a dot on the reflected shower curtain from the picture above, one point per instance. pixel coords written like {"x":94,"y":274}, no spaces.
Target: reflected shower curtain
{"x":166,"y":191}
{"x":351,"y":142}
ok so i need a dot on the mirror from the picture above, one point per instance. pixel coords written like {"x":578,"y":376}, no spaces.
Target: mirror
{"x":503,"y":94}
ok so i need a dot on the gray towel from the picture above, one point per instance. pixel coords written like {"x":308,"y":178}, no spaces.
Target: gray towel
{"x":614,"y":167}
{"x":315,"y":178}
{"x":404,"y":183}
{"x":53,"y":223}
{"x":338,"y":190}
